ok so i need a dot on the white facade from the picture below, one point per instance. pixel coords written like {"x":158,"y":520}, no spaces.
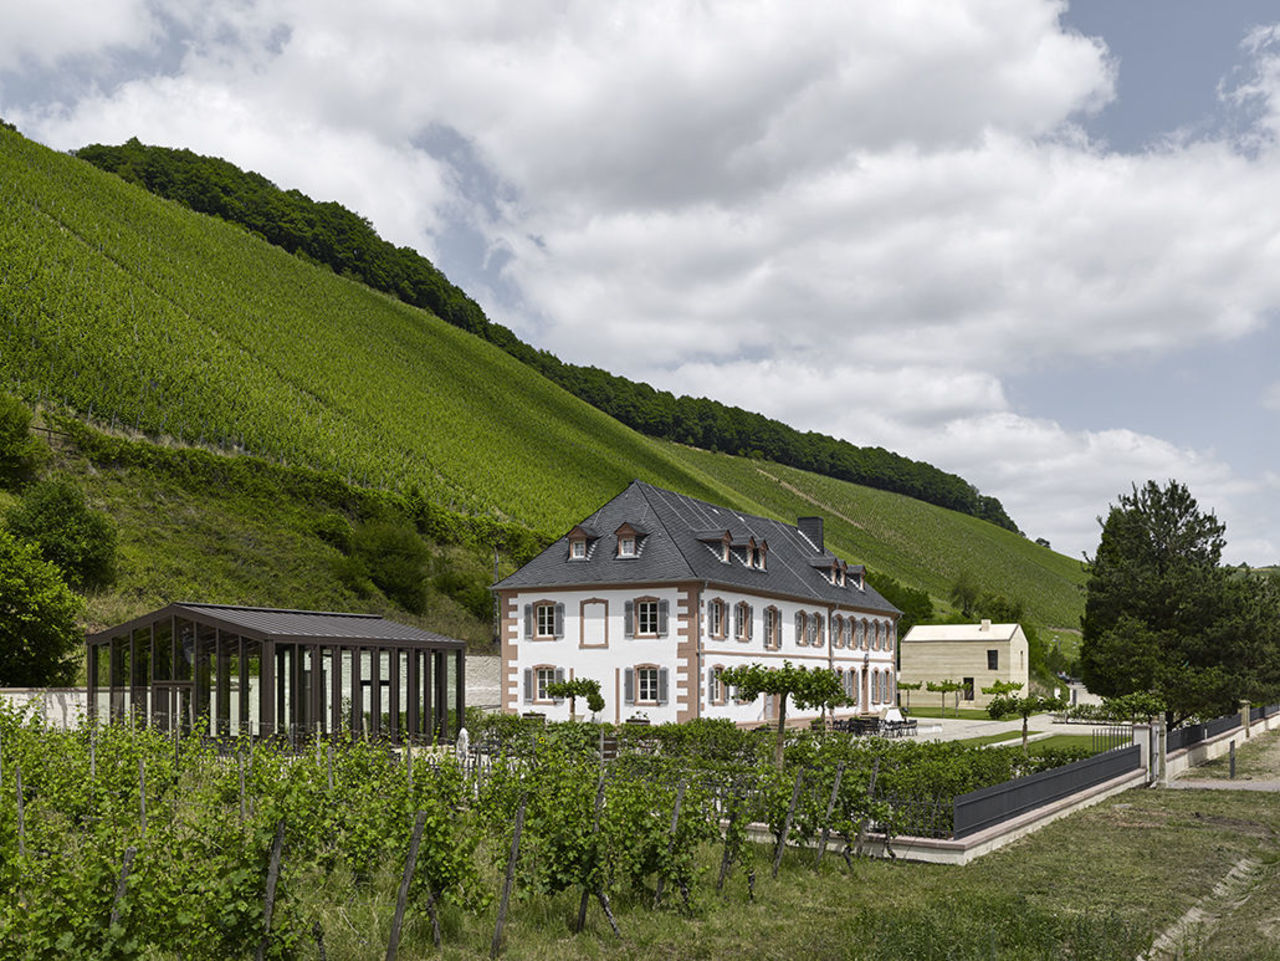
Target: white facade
{"x":668,"y":673}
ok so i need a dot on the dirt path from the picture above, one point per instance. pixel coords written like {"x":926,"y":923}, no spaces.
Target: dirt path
{"x":1257,"y":759}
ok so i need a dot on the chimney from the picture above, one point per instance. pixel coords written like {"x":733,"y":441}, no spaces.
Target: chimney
{"x":811,"y":527}
{"x":986,"y":624}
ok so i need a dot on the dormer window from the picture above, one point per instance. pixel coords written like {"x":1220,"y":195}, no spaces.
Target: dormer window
{"x":762,"y":555}
{"x":628,"y":536}
{"x":578,"y":549}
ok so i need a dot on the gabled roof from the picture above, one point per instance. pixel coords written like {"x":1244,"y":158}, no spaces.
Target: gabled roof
{"x":268,"y":623}
{"x":682,"y":543}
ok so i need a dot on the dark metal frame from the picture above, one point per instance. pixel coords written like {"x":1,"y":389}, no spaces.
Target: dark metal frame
{"x":175,"y":668}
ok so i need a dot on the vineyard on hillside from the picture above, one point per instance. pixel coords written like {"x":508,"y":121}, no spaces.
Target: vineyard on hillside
{"x":120,"y":843}
{"x":134,"y":314}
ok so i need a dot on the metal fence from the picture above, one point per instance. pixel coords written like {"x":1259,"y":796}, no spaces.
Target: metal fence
{"x":1195,"y":733}
{"x":1111,"y":737}
{"x":991,"y":805}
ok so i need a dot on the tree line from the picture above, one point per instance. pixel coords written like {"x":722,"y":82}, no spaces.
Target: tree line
{"x":331,"y":235}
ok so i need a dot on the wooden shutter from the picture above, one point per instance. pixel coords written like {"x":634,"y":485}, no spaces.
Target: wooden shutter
{"x":799,"y":627}
{"x":750,"y":618}
{"x":528,"y":621}
{"x":711,"y":685}
{"x":559,"y":620}
{"x":559,"y":679}
{"x":662,"y":684}
{"x":662,"y":618}
{"x":528,"y":683}
{"x":629,"y":681}
{"x":629,"y":622}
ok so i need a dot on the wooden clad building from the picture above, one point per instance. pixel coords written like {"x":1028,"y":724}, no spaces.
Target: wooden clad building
{"x":232,"y":671}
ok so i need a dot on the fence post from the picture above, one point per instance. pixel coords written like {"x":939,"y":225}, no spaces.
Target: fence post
{"x":510,"y":880}
{"x":269,"y":901}
{"x":1143,"y":737}
{"x":786,"y":827}
{"x":410,"y":864}
{"x":1246,"y":717}
{"x":1160,"y":753}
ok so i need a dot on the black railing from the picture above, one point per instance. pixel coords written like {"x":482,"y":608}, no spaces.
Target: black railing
{"x":989,"y":806}
{"x":1112,"y":737}
{"x":1195,"y":733}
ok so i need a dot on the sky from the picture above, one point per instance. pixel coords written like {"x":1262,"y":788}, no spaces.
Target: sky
{"x":1026,"y":241}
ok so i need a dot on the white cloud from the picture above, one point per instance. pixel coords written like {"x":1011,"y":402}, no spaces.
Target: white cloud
{"x":41,"y":34}
{"x":1271,"y":396}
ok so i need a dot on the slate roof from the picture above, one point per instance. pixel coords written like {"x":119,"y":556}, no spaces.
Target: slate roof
{"x":267,"y":623}
{"x":677,"y":548}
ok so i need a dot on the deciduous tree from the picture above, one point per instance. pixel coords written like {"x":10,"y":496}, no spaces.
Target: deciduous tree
{"x":820,"y":688}
{"x":38,"y":632}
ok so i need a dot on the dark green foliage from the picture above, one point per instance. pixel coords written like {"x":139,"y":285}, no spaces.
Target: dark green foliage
{"x":1162,"y":615}
{"x":915,"y":604}
{"x":54,"y":516}
{"x":805,"y":688}
{"x":329,"y":234}
{"x":396,"y":560}
{"x":20,"y":453}
{"x":1009,"y":702}
{"x":335,"y":530}
{"x":964,"y":593}
{"x":38,"y":632}
{"x":469,"y":587}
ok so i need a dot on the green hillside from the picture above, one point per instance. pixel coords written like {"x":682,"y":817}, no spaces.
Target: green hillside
{"x":130,"y":310}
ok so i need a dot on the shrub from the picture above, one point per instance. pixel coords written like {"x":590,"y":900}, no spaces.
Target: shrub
{"x":54,"y":516}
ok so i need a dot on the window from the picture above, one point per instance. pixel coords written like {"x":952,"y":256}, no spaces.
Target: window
{"x":536,"y":681}
{"x":645,"y":617}
{"x":715,"y":618}
{"x":802,"y":628}
{"x":813,"y":630}
{"x":851,"y":685}
{"x":860,"y":634}
{"x":890,"y":635}
{"x":577,"y":549}
{"x":546,"y":620}
{"x":742,"y":621}
{"x":837,"y":631}
{"x":772,"y":628}
{"x":716,"y":693}
{"x":993,"y":660}
{"x":968,"y":688}
{"x":646,"y":685}
{"x":626,"y":546}
{"x":543,"y":621}
{"x":875,"y":636}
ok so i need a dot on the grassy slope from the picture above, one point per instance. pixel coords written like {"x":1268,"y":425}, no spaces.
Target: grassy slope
{"x":126,"y":306}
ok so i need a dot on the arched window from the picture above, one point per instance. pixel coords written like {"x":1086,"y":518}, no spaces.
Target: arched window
{"x":816,"y":626}
{"x":772,"y":628}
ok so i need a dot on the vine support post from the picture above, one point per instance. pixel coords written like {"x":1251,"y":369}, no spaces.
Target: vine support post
{"x":330,"y":754}
{"x":595,"y":829}
{"x":496,"y":947}
{"x":786,"y":826}
{"x":240,"y":765}
{"x":871,"y":793}
{"x":142,"y":795}
{"x":22,"y":821}
{"x":826,"y":822}
{"x":727,"y":859}
{"x":125,"y":864}
{"x":410,"y":865}
{"x":269,"y":900}
{"x":671,"y":844}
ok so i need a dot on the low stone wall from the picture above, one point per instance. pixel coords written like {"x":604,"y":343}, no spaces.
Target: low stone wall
{"x":63,"y":707}
{"x":1181,"y":761}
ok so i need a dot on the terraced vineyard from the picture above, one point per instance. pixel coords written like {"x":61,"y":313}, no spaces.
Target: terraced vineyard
{"x":129,"y":310}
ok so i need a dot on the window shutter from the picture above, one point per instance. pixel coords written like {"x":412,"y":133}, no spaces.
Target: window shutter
{"x":629,"y":625}
{"x":662,"y":618}
{"x":750,"y":625}
{"x":711,"y":685}
{"x":799,"y":627}
{"x":559,"y":680}
{"x":629,"y":680}
{"x":559,"y":620}
{"x":528,"y":683}
{"x":662,"y":685}
{"x":528,"y":621}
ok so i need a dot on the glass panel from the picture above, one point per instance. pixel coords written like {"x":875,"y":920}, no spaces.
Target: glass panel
{"x":186,"y":649}
{"x":162,"y":667}
{"x":252,"y":686}
{"x":103,"y":694}
{"x":453,"y":718}
{"x":206,"y":676}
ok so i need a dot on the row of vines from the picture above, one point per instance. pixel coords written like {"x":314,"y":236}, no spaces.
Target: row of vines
{"x":118,"y":843}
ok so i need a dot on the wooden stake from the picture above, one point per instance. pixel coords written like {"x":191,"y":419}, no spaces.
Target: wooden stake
{"x":125,"y":864}
{"x":871,"y":793}
{"x":786,"y":826}
{"x":410,"y":864}
{"x":330,"y":768}
{"x":671,"y":845}
{"x":269,"y":901}
{"x":240,"y":764}
{"x":826,"y":823}
{"x":22,"y":823}
{"x":142,"y":794}
{"x":595,"y":828}
{"x":728,"y":853}
{"x":496,"y":947}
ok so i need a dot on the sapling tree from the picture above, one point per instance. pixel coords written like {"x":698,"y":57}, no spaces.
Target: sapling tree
{"x":820,"y":688}
{"x":944,"y":688}
{"x":576,"y":688}
{"x":1000,"y":688}
{"x":1024,"y":707}
{"x":909,"y":686}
